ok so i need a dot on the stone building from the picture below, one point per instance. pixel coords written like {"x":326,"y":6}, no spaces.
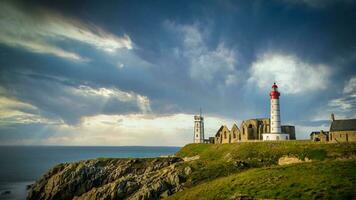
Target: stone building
{"x":290,"y":130}
{"x":343,"y":130}
{"x":319,"y":136}
{"x":211,"y":140}
{"x":223,"y":135}
{"x":235,"y":134}
{"x":250,"y":130}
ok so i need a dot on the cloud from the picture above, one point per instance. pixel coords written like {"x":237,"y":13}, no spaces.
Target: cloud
{"x":206,"y":64}
{"x":129,"y":129}
{"x":13,"y":111}
{"x":68,"y":100}
{"x":303,"y":131}
{"x":104,"y":94}
{"x":318,"y":3}
{"x":350,"y":86}
{"x":292,"y":74}
{"x":346,"y":103}
{"x":343,"y":107}
{"x":42,"y":31}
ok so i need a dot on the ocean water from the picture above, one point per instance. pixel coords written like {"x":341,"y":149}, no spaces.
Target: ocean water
{"x":22,"y":165}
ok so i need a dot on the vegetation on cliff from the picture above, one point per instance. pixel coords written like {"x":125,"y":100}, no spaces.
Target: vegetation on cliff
{"x":207,"y":171}
{"x":226,"y":159}
{"x":334,"y":179}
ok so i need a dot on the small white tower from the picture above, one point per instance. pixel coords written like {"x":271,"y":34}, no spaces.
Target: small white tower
{"x":198,"y":129}
{"x":276,"y":132}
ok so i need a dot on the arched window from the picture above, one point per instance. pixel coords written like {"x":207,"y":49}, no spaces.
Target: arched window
{"x":250,"y":126}
{"x":225,"y":134}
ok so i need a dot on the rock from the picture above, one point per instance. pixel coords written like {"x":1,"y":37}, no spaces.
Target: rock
{"x":6,"y":192}
{"x":28,"y":186}
{"x":188,"y":159}
{"x":286,"y":160}
{"x":241,"y":197}
{"x":111,"y":179}
{"x":187,"y":170}
{"x":240,"y":164}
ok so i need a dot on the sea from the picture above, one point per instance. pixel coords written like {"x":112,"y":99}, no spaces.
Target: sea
{"x":21,"y":166}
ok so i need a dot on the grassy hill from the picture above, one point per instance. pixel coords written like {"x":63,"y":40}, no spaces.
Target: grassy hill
{"x":326,"y":179}
{"x":228,"y":171}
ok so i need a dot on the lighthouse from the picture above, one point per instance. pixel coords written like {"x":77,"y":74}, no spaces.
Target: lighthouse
{"x":275,"y":121}
{"x":275,"y":112}
{"x":198,"y":128}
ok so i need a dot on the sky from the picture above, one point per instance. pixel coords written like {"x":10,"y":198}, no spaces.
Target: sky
{"x":135,"y":72}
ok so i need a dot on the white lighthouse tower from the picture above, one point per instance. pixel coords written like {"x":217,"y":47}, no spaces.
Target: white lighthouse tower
{"x":276,"y":132}
{"x":198,"y":129}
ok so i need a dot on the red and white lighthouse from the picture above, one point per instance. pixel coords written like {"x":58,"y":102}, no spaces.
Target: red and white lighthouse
{"x":275,"y":130}
{"x":275,"y":112}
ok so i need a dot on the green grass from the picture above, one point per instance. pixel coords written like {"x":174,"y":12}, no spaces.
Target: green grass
{"x":269,"y":150}
{"x":332,"y":179}
{"x":217,"y":160}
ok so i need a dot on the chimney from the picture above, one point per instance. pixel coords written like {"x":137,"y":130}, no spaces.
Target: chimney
{"x":332,"y":117}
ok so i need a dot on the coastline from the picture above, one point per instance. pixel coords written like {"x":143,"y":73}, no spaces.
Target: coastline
{"x":14,"y":190}
{"x":23,"y":165}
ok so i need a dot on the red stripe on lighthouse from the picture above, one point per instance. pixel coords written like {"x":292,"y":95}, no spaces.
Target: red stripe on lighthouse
{"x":274,"y":95}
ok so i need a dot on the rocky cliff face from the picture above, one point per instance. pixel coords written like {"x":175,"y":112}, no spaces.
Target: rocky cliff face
{"x":111,"y":179}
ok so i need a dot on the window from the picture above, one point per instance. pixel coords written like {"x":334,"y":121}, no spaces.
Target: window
{"x":197,"y":135}
{"x":286,"y":137}
{"x":225,"y":135}
{"x":234,"y":135}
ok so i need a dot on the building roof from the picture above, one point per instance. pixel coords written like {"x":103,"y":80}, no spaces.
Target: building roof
{"x":343,"y":125}
{"x":318,"y":132}
{"x":256,"y":119}
{"x":234,"y":126}
{"x":222,"y":127}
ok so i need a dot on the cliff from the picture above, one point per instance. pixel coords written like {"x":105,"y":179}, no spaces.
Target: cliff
{"x":282,"y":170}
{"x":111,"y":179}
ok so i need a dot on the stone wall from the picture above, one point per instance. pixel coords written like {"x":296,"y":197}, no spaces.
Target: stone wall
{"x":235,"y":134}
{"x":290,"y":130}
{"x":253,"y":129}
{"x":223,"y":135}
{"x":342,"y":136}
{"x":250,"y":130}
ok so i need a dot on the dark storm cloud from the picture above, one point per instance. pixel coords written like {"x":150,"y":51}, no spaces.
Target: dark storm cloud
{"x":184,"y":55}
